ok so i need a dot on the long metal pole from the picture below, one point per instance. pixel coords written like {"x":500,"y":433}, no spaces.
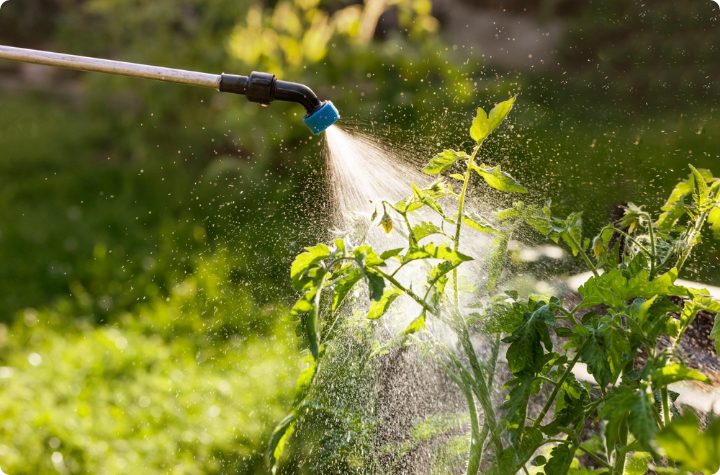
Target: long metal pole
{"x":84,"y":63}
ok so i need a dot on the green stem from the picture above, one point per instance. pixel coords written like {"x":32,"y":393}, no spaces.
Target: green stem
{"x":460,"y":214}
{"x":482,"y":391}
{"x":556,"y":390}
{"x":653,"y":246}
{"x":583,"y":254}
{"x":619,"y":466}
{"x":691,"y":238}
{"x":665,"y":405}
{"x":594,"y":456}
{"x":476,"y":442}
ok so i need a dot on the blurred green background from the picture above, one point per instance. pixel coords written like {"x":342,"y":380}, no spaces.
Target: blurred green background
{"x":146,"y":229}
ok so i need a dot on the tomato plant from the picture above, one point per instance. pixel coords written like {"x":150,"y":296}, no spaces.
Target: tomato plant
{"x":625,"y":328}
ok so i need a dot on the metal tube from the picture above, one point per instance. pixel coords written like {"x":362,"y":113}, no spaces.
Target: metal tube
{"x":84,"y":63}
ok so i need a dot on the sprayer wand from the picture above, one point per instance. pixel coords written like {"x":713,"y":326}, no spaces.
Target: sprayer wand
{"x":257,"y":87}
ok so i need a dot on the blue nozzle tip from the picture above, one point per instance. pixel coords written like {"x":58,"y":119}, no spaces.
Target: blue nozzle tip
{"x":322,"y":118}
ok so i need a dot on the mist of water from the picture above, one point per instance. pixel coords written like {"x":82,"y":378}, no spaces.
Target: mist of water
{"x":363,"y":172}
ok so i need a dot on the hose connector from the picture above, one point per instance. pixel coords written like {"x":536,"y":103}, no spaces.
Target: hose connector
{"x":264,"y":88}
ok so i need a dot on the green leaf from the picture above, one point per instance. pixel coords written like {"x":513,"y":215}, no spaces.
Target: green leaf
{"x":306,"y":311}
{"x":674,"y":372}
{"x":480,"y":128}
{"x":498,"y":179}
{"x":416,"y":325}
{"x":425,"y":229}
{"x":561,"y":457}
{"x":379,"y":307}
{"x":434,"y":251}
{"x":444,"y":160}
{"x":630,"y":409}
{"x":376,"y":286}
{"x":478,"y":223}
{"x":614,"y":289}
{"x":526,"y":342}
{"x":516,"y":402}
{"x":307,"y":260}
{"x":344,"y":285}
{"x":499,"y":112}
{"x":390,"y":253}
{"x":700,"y":301}
{"x":279,"y":437}
{"x":684,"y":443}
{"x":714,"y":221}
{"x":604,"y":347}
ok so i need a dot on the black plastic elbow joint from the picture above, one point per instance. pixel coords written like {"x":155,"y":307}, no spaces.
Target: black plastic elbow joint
{"x":265,"y":88}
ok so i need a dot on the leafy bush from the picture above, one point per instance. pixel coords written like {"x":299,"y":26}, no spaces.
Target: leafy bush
{"x":191,"y":384}
{"x":627,"y":309}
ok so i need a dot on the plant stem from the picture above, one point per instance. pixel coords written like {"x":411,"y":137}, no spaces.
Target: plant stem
{"x":619,"y":466}
{"x":460,"y":214}
{"x":480,"y":387}
{"x":583,"y":254}
{"x":476,"y":443}
{"x":653,"y":246}
{"x":665,"y":405}
{"x":556,"y":390}
{"x":594,"y":456}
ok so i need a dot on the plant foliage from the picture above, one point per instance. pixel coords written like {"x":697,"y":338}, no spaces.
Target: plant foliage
{"x":625,"y":329}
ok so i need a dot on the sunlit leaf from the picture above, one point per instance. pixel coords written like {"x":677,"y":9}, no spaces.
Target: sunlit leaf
{"x":478,"y":223}
{"x":499,"y":112}
{"x":425,"y":229}
{"x":415,"y":326}
{"x":306,"y":260}
{"x":444,"y":160}
{"x":674,"y":372}
{"x":498,"y":179}
{"x":379,"y":307}
{"x":344,"y":285}
{"x":480,"y":128}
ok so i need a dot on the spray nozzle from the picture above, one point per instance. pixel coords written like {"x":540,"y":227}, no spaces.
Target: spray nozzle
{"x":265,"y":88}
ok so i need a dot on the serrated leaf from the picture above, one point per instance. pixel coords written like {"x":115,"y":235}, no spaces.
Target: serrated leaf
{"x":714,"y":221}
{"x":425,"y":229}
{"x":480,"y":128}
{"x":674,"y":372}
{"x":604,"y":347}
{"x":379,"y":307}
{"x":376,"y":286}
{"x":385,"y":255}
{"x":683,"y":442}
{"x":434,"y":251}
{"x":614,"y":289}
{"x":279,"y":437}
{"x":499,"y":112}
{"x":478,"y":223}
{"x":561,"y":456}
{"x":498,"y":179}
{"x":444,"y":160}
{"x":630,"y":409}
{"x":526,"y":342}
{"x":415,"y":326}
{"x":344,"y":285}
{"x":304,"y":261}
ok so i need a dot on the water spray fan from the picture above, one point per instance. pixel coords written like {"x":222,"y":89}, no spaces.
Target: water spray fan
{"x":259,"y":87}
